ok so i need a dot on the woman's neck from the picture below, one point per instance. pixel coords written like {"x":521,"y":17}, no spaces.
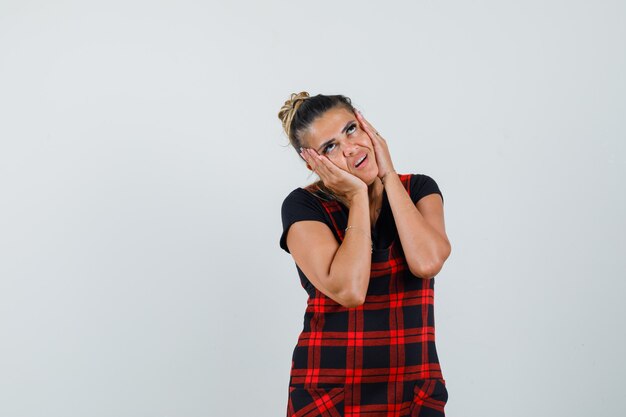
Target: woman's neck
{"x":375,"y":194}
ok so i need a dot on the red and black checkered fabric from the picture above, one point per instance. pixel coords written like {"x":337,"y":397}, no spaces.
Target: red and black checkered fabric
{"x":375,"y":360}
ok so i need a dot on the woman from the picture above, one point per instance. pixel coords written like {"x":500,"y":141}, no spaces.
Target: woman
{"x":367,"y":243}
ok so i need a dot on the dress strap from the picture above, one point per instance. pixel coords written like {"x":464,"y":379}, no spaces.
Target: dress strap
{"x":332,"y":208}
{"x":406,"y":181}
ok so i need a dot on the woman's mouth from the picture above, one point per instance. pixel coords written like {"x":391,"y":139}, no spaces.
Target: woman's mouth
{"x":360,"y":161}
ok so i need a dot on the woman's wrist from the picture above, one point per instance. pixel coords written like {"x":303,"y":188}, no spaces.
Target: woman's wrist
{"x":362,"y":231}
{"x":383,"y":179}
{"x":361,"y":193}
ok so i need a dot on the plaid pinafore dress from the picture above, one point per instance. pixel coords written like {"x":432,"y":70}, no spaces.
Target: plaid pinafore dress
{"x":374,"y":360}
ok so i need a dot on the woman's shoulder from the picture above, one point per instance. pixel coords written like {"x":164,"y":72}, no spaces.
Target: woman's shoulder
{"x":421,"y":176}
{"x":311,"y":194}
{"x":301,"y":204}
{"x":301,"y":200}
{"x":299,"y":195}
{"x":422,"y":185}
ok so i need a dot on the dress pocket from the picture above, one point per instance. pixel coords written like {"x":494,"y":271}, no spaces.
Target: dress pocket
{"x":429,"y":398}
{"x":314,"y":402}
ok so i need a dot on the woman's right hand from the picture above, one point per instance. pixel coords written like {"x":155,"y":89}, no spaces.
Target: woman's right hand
{"x":340,"y":182}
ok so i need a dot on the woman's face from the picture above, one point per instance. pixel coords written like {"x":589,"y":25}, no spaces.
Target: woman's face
{"x":338,"y":135}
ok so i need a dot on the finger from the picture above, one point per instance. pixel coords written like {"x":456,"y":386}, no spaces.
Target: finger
{"x":311,"y":160}
{"x":328,"y":172}
{"x":365,"y":121}
{"x":330,"y":167}
{"x":369,"y":129}
{"x":323,"y":160}
{"x":304,"y":154}
{"x":377,"y":140}
{"x":312,"y":155}
{"x":322,"y":169}
{"x":326,"y":168}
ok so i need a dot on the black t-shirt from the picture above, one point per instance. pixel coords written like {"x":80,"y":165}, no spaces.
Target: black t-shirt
{"x":302,"y":205}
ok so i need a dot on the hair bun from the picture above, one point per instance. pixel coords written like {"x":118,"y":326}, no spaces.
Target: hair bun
{"x":289,"y":109}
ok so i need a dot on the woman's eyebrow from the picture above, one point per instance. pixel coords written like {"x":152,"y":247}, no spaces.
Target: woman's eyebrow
{"x":323,"y":145}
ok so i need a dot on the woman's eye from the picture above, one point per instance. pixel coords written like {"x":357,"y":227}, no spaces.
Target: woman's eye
{"x":352,"y":128}
{"x":329,"y":147}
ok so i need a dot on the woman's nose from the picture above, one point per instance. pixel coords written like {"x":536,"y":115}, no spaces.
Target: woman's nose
{"x":350,"y":149}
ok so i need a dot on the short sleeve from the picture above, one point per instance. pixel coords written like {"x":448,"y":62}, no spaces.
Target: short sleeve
{"x":423,"y":185}
{"x":299,"y":205}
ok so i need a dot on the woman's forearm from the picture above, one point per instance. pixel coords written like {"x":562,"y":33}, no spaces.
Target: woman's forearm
{"x":424,"y":248}
{"x":350,"y":269}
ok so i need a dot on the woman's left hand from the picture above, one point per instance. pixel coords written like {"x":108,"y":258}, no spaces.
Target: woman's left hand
{"x":383,"y":158}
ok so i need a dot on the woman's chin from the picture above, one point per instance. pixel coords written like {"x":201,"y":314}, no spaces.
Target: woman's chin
{"x":370,"y":179}
{"x":368,"y":175}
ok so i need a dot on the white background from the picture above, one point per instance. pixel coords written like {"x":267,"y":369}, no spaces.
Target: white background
{"x":142,"y":169}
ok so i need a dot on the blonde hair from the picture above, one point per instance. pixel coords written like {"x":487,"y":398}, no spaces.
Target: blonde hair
{"x":289,"y":109}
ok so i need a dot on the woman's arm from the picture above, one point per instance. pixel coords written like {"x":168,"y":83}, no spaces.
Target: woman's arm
{"x":340,"y":271}
{"x":420,"y":227}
